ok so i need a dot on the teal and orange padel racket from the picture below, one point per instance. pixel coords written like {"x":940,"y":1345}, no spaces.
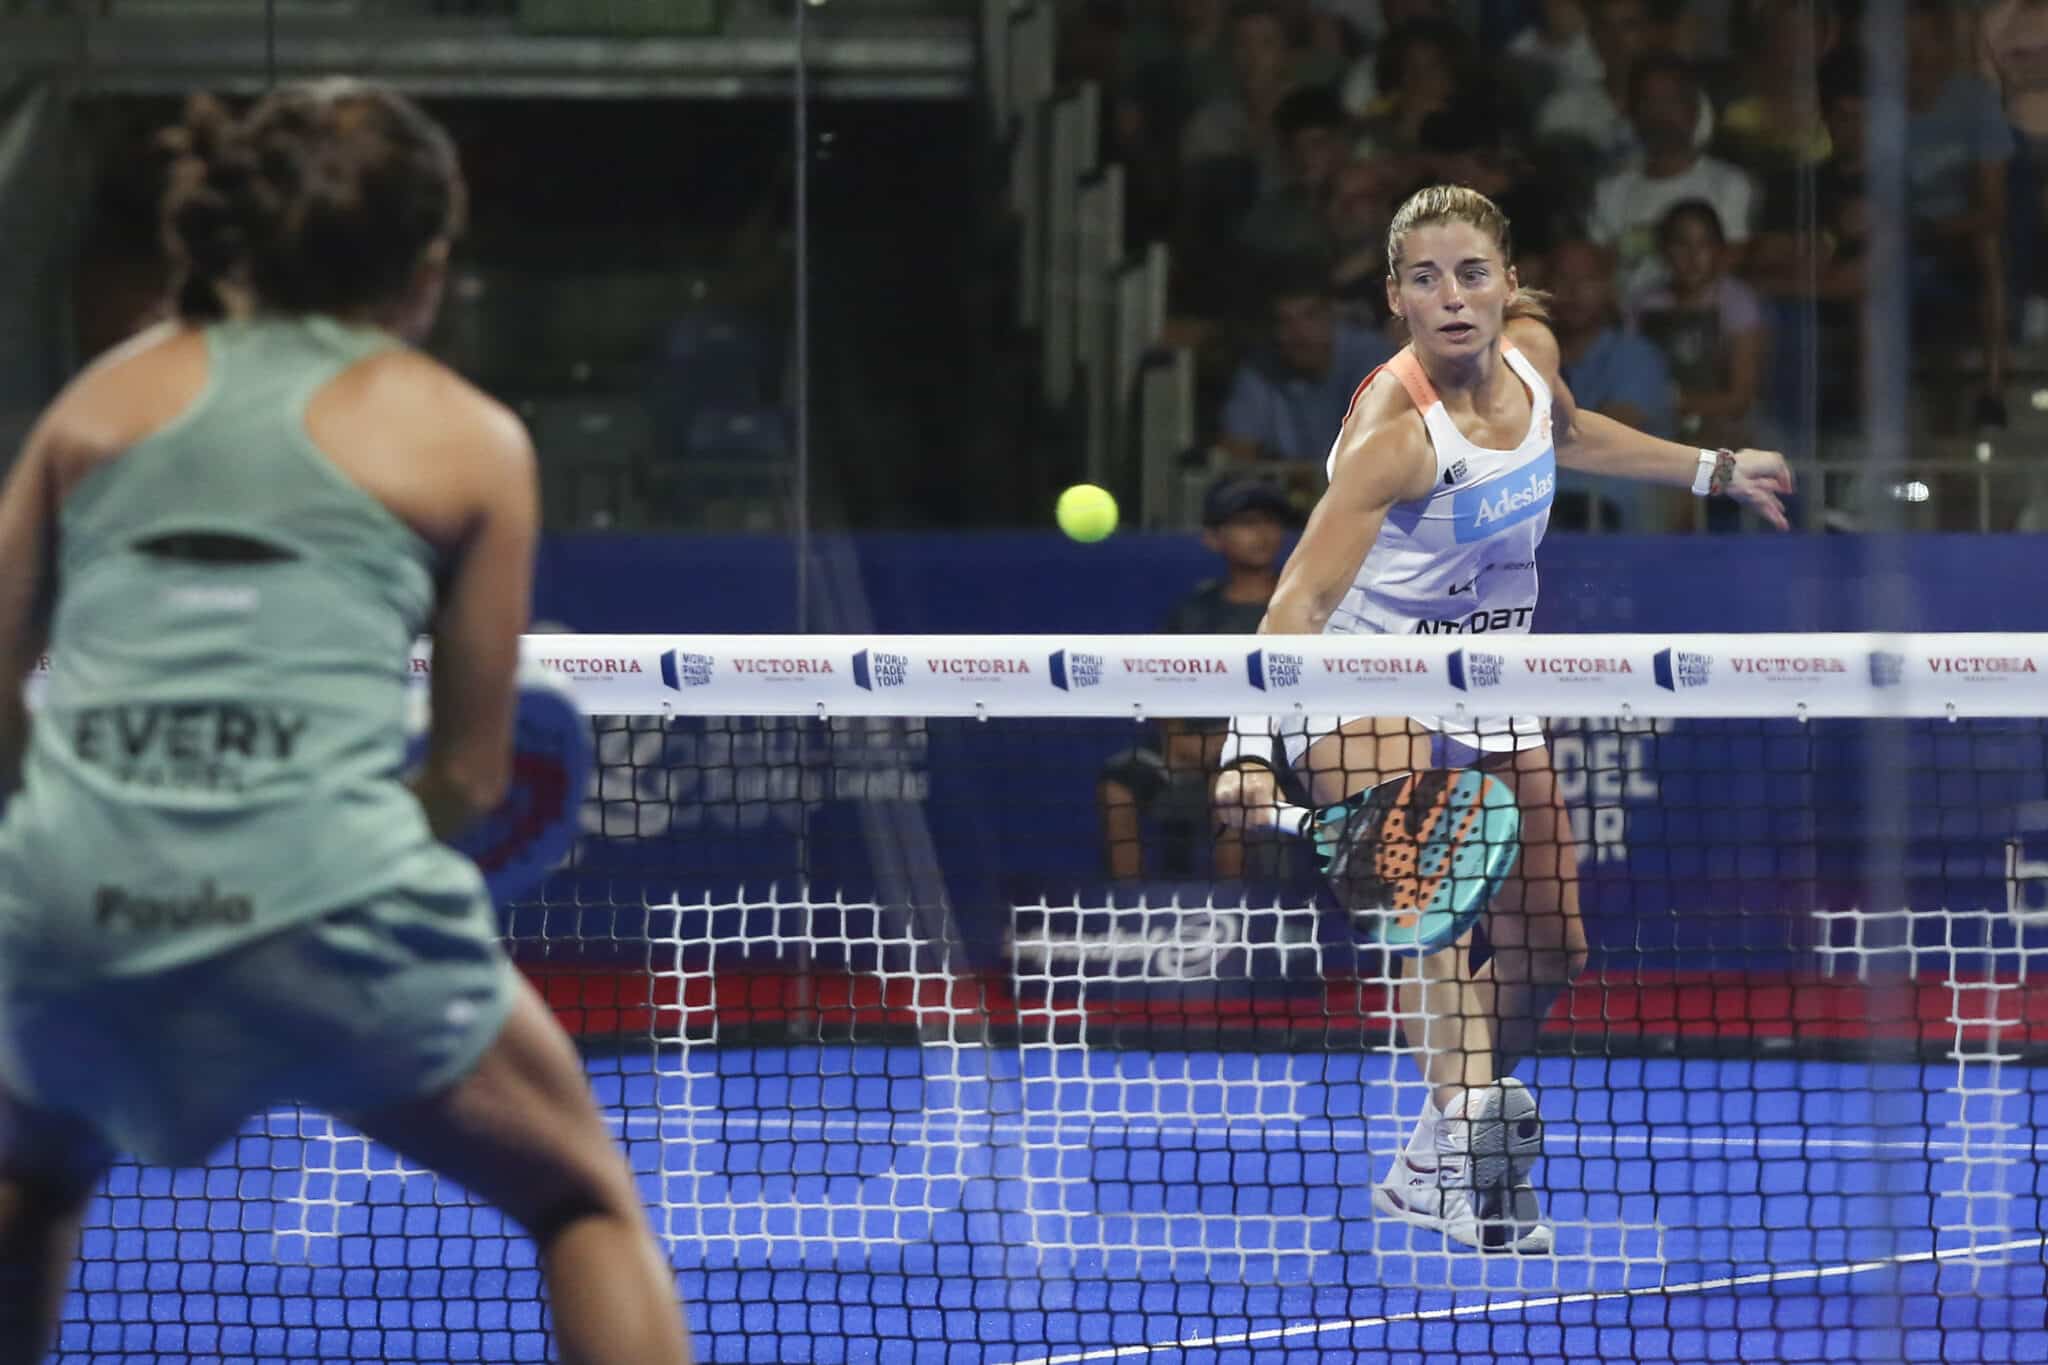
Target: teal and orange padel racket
{"x":1416,"y":860}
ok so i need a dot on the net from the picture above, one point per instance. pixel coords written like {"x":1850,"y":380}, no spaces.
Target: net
{"x":907,"y":1075}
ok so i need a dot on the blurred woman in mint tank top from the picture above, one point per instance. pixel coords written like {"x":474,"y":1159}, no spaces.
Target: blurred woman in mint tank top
{"x":227,"y":533}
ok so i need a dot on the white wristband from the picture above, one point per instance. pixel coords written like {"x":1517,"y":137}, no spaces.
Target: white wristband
{"x":1703,"y":481}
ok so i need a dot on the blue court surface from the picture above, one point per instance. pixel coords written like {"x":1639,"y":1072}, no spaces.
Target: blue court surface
{"x":1004,"y":1205}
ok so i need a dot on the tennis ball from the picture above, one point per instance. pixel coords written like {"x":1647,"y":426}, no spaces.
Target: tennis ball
{"x":1086,"y":513}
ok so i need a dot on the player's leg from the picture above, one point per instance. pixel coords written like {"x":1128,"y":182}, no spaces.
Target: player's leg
{"x":1446,"y":1021}
{"x":1444,"y":1018}
{"x":1538,"y":947}
{"x":1458,"y":1172}
{"x":1123,"y":853}
{"x":523,"y":1132}
{"x":1539,"y":941}
{"x":1129,"y":783}
{"x":49,"y":1166}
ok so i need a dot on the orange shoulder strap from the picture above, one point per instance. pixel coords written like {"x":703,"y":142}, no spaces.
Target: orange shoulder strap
{"x":1408,"y":370}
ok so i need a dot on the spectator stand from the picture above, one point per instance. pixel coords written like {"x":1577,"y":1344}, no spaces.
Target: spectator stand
{"x":1099,"y":308}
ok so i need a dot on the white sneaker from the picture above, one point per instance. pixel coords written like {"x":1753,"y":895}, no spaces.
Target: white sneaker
{"x":1518,"y":1135}
{"x":1476,"y":1189}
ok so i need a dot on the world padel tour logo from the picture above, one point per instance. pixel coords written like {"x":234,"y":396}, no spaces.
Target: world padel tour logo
{"x":1472,"y":668}
{"x":1270,"y":669}
{"x":873,"y":668}
{"x":680,"y":669}
{"x":1072,"y":669}
{"x":1886,"y":668}
{"x":1678,"y":669}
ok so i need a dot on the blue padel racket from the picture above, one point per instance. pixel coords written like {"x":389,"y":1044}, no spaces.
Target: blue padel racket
{"x":530,"y":831}
{"x":1416,"y":860}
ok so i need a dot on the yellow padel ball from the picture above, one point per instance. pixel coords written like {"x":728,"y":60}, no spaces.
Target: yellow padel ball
{"x":1086,"y":513}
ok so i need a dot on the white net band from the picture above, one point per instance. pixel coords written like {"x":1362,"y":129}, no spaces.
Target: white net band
{"x":1840,"y":675}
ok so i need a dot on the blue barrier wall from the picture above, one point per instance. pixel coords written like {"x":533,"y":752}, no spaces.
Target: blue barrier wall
{"x":1043,"y":583}
{"x":1703,"y":843}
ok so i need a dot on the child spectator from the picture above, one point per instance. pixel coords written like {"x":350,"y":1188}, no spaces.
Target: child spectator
{"x":1166,"y":784}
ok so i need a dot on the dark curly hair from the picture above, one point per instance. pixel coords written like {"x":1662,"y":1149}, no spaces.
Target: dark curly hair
{"x":321,"y":199}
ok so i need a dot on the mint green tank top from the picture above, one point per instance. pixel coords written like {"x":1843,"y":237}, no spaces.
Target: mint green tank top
{"x":219,"y":751}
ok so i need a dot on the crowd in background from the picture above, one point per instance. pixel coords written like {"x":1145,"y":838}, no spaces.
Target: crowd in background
{"x":1687,"y":179}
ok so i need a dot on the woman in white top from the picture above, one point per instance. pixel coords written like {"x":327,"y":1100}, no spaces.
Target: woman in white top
{"x":1440,"y":485}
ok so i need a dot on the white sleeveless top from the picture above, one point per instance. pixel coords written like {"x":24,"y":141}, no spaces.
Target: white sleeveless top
{"x":1462,"y":560}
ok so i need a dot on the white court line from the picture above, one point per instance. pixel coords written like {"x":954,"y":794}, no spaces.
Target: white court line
{"x":912,"y":1124}
{"x":1474,"y":1310}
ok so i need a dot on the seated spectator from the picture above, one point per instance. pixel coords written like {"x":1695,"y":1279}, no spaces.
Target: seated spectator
{"x":1588,"y":117}
{"x":1324,"y":44}
{"x":1236,"y":132}
{"x":1288,"y":223}
{"x":1423,"y":67}
{"x":2013,"y":56}
{"x":1710,"y":328}
{"x":1231,"y":155}
{"x":1555,"y":51}
{"x":1289,"y":398}
{"x":1473,"y":144}
{"x":1777,"y":125}
{"x":1628,"y":205}
{"x":1807,"y":260}
{"x":1166,"y":784}
{"x":1609,"y":371}
{"x":1174,"y":60}
{"x":1091,"y":36}
{"x":1361,"y":205}
{"x":1371,"y":21}
{"x":1957,"y":147}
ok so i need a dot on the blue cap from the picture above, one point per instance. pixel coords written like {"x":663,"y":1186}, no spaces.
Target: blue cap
{"x":1235,"y":493}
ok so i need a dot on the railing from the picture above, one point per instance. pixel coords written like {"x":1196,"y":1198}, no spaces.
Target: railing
{"x":1983,"y":492}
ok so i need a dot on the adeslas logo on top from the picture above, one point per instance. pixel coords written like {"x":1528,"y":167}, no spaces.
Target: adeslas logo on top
{"x":1470,"y":668}
{"x":873,"y":668}
{"x":1516,"y":496}
{"x":680,"y":669}
{"x":1269,"y":669}
{"x":1677,"y":669}
{"x":1072,"y":669}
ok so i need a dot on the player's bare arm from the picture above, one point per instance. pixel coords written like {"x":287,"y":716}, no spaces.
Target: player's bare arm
{"x":1382,"y":457}
{"x":27,"y":547}
{"x":1596,"y":444}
